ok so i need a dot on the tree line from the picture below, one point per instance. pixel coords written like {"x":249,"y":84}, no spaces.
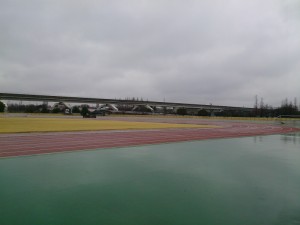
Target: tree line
{"x":287,"y":108}
{"x":260,"y":109}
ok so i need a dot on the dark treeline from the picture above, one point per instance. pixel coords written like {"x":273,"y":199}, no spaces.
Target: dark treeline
{"x":2,"y":106}
{"x":41,"y":108}
{"x":260,"y":109}
{"x":19,"y":108}
{"x":287,"y":108}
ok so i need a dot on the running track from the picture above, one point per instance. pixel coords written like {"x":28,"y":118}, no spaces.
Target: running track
{"x":41,"y":143}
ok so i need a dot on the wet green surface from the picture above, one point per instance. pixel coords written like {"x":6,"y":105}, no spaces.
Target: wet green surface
{"x":254,"y":180}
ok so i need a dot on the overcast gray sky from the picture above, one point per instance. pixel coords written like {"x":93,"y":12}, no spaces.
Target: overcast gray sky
{"x":198,"y":51}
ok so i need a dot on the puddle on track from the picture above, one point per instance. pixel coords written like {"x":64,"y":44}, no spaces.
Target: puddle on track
{"x":250,"y":180}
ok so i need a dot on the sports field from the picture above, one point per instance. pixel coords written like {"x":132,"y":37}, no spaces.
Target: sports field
{"x":171,"y":171}
{"x":27,"y":136}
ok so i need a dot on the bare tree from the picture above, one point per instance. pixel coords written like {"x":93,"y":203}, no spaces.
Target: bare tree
{"x":256,"y":105}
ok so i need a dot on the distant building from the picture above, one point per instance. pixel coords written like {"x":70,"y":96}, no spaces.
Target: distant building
{"x":63,"y":107}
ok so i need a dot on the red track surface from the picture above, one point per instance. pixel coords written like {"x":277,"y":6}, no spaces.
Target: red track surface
{"x":30,"y":144}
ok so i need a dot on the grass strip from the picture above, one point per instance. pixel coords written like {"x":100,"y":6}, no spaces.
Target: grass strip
{"x":24,"y":125}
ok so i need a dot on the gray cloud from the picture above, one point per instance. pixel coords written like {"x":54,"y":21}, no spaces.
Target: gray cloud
{"x":220,"y":52}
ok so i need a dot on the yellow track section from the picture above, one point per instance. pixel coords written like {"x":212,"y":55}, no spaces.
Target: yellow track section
{"x":22,"y":125}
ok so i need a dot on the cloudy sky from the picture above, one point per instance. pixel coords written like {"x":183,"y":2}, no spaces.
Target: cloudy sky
{"x":198,"y":51}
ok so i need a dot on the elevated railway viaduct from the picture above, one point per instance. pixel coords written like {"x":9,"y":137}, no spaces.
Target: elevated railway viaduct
{"x":175,"y":105}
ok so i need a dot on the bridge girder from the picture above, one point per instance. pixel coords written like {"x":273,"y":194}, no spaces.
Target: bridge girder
{"x":48,"y":98}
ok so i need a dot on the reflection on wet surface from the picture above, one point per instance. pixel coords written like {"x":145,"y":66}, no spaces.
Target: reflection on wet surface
{"x":286,"y":138}
{"x":251,"y":180}
{"x":292,"y":137}
{"x":295,"y":138}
